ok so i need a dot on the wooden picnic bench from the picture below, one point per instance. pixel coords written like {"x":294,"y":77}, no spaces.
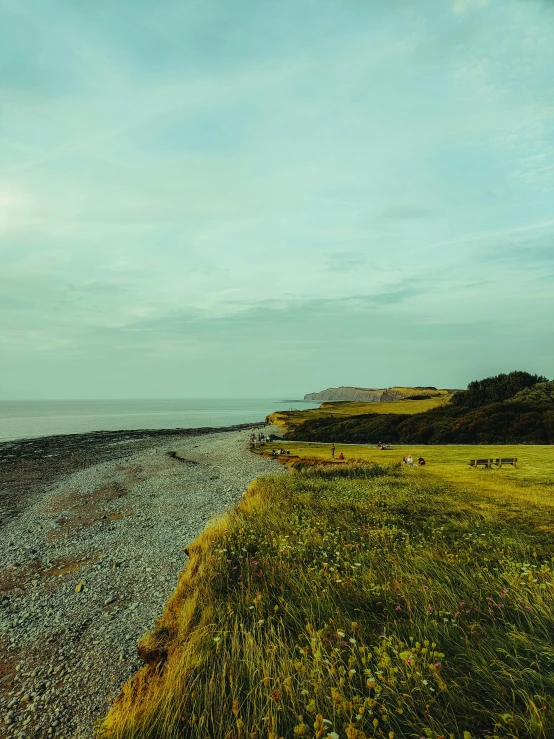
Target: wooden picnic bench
{"x":506,"y":460}
{"x":488,"y":463}
{"x":481,"y":462}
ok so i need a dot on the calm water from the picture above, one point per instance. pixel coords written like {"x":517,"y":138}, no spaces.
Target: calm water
{"x":20,"y":420}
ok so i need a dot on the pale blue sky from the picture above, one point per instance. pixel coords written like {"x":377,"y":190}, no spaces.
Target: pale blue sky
{"x":214,"y":198}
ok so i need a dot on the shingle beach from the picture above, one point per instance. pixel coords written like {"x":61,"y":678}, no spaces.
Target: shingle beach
{"x":92,"y":538}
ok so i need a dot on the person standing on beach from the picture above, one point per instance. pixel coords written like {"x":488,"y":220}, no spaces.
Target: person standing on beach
{"x":332,"y":450}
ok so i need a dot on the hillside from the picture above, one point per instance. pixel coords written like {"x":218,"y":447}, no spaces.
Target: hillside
{"x":287,"y":421}
{"x":375,"y":395}
{"x":505,"y":409}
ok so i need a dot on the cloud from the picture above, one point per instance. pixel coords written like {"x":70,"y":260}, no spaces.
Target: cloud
{"x":460,"y":7}
{"x":202,"y":180}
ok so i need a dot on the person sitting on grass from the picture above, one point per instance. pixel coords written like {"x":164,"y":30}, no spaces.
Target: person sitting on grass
{"x":421,"y":461}
{"x":341,"y":456}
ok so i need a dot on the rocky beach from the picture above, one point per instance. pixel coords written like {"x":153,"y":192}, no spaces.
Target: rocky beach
{"x":93,"y":528}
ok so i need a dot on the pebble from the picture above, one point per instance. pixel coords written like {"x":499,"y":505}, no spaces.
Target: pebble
{"x":67,"y":647}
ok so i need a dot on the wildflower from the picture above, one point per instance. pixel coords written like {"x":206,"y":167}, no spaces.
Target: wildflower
{"x":457,"y":613}
{"x":425,"y":587}
{"x":528,"y":608}
{"x":430,"y":609}
{"x":398,"y":608}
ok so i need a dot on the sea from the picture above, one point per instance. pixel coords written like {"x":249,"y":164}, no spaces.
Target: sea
{"x":29,"y":419}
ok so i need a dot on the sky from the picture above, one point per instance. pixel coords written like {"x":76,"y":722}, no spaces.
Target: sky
{"x":204,"y":198}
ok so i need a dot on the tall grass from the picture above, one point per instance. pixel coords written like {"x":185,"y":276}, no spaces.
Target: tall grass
{"x":354,"y":602}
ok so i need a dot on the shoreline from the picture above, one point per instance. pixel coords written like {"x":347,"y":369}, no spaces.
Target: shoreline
{"x":112,"y":515}
{"x":30,"y":463}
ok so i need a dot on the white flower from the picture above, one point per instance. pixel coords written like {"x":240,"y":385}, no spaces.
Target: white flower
{"x":341,"y":633}
{"x":217,"y":638}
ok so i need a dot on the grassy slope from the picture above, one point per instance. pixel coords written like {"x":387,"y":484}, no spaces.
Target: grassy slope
{"x":287,"y":420}
{"x":365,"y":602}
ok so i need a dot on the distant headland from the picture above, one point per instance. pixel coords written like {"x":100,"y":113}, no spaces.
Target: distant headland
{"x":374,"y":395}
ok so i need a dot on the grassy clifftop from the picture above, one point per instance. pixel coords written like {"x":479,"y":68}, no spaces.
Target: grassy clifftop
{"x":289,"y":421}
{"x":354,"y":601}
{"x":509,"y":408}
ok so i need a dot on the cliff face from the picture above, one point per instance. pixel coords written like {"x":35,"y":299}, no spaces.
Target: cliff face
{"x":360,"y":394}
{"x":369,"y":395}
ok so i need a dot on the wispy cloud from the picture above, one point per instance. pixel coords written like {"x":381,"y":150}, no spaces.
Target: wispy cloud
{"x":191,"y":181}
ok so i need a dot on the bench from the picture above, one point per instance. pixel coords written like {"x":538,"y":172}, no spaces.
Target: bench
{"x":506,"y":460}
{"x":481,"y":462}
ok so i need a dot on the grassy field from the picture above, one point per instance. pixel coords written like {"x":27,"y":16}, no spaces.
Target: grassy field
{"x":287,"y":420}
{"x":532,"y":481}
{"x":358,"y":600}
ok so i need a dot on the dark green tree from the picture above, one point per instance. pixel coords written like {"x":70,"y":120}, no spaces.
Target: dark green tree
{"x":495,"y":389}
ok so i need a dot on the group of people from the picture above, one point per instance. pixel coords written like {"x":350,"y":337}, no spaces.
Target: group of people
{"x":261,"y":437}
{"x":407,"y":459}
{"x":410,"y":460}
